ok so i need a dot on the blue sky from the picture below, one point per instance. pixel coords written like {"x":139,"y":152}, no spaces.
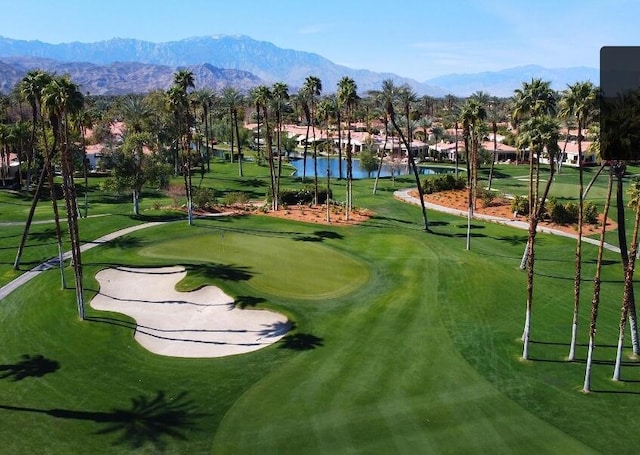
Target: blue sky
{"x":420,"y":39}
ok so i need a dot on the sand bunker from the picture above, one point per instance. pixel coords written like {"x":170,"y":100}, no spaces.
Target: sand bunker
{"x":202,"y":323}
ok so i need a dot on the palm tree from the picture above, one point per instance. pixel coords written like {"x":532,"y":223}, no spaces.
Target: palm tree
{"x":232,"y":100}
{"x":627,"y":296}
{"x":391,"y":93}
{"x":280,"y":100}
{"x":178,"y":94}
{"x":379,"y":103}
{"x":348,"y":98}
{"x":495,"y":115}
{"x":311,"y":89}
{"x":263,"y":98}
{"x":62,"y":98}
{"x":533,"y":99}
{"x":537,"y":134}
{"x":31,"y":87}
{"x":472,"y":116}
{"x":579,"y":101}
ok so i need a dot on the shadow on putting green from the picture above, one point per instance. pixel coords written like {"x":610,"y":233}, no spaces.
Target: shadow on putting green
{"x":301,"y":342}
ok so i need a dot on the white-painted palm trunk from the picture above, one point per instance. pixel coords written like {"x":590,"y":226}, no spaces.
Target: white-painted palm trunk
{"x":523,"y":261}
{"x":618,"y":364}
{"x":633,"y":326}
{"x":189,"y":212}
{"x":574,"y":336}
{"x":469,"y":216}
{"x":61,"y":263}
{"x":526,"y":333}
{"x":586,"y":387}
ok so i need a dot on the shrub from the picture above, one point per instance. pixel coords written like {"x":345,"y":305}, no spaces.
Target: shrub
{"x":568,"y":213}
{"x":486,"y":196}
{"x":303,"y":195}
{"x":443,"y":182}
{"x":590,"y":213}
{"x":520,"y":204}
{"x":203,"y":198}
{"x":237,"y":197}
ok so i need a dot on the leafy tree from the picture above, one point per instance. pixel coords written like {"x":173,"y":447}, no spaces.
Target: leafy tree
{"x":369,"y":162}
{"x":131,"y":168}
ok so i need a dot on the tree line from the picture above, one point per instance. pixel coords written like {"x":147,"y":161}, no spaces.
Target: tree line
{"x":173,"y":132}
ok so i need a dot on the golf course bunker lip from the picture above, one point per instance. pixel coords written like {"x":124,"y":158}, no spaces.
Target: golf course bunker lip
{"x":201,"y":323}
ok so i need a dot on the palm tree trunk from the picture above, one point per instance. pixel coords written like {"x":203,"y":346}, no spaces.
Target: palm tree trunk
{"x":595,"y":302}
{"x":415,"y":173}
{"x":27,"y":226}
{"x":382,"y":153}
{"x":624,"y":254}
{"x":72,"y":218}
{"x":235,"y":122}
{"x":578,"y":257}
{"x":495,"y":151}
{"x":304,"y":156}
{"x":627,"y":295}
{"x":339,"y":146}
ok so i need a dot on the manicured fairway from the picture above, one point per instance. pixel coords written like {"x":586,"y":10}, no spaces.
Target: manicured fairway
{"x":403,"y":343}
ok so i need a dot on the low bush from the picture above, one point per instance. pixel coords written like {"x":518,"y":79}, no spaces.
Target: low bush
{"x":520,"y":204}
{"x":443,"y":182}
{"x":303,"y":195}
{"x":237,"y":197}
{"x":203,"y":198}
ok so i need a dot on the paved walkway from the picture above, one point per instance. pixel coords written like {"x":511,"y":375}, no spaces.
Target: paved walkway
{"x":404,"y":195}
{"x":54,"y":262}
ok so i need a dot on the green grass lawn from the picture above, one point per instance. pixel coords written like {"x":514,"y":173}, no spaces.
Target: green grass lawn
{"x":403,"y":342}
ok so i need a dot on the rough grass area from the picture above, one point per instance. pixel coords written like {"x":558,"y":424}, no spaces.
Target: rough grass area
{"x":408,"y":344}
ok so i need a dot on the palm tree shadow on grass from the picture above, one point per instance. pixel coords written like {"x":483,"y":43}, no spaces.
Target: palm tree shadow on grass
{"x":149,"y":420}
{"x":301,"y":342}
{"x":29,"y":367}
{"x":318,"y":236}
{"x":227,"y":272}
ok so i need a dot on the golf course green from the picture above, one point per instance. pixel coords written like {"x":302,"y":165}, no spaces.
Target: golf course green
{"x":402,"y":341}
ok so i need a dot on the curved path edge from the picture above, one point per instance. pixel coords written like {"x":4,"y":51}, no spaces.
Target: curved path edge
{"x":54,"y":262}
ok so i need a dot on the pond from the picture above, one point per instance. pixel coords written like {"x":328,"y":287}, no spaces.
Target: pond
{"x":358,"y":173}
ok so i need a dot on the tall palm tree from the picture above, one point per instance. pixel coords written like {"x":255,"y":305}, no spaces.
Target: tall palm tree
{"x":233,"y":100}
{"x":495,"y":114}
{"x":579,"y":101}
{"x":404,"y":94}
{"x":280,"y":92}
{"x":348,"y":97}
{"x":312,"y":89}
{"x":31,"y":87}
{"x":533,"y":99}
{"x":263,"y":97}
{"x":61,"y":99}
{"x":379,"y":105}
{"x":472,"y":116}
{"x":183,"y":80}
{"x":634,"y":202}
{"x":538,"y":133}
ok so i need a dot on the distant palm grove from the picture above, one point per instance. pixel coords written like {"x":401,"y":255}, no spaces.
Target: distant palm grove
{"x":48,"y":128}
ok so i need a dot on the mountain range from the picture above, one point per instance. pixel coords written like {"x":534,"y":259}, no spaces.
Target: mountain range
{"x":119,"y":66}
